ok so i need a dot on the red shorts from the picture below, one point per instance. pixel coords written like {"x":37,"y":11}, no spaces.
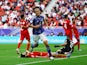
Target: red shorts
{"x":24,"y":34}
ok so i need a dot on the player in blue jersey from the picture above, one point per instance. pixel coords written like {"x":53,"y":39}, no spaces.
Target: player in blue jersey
{"x":38,"y":30}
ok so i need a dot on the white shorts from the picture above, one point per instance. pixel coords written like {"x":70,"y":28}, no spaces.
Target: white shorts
{"x":40,"y":36}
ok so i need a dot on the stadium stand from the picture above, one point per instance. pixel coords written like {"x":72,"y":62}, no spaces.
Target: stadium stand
{"x":10,"y":14}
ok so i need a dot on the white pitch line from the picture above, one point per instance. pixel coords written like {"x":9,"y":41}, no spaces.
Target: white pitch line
{"x":50,"y":60}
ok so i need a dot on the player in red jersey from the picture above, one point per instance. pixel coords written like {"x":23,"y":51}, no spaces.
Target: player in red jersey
{"x":35,"y":54}
{"x":23,"y":34}
{"x":76,"y":34}
{"x":67,"y":27}
{"x":41,"y":54}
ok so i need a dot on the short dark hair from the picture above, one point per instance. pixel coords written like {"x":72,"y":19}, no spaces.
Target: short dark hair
{"x":65,"y":16}
{"x":36,"y":8}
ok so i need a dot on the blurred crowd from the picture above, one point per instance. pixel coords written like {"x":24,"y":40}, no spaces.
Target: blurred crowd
{"x":75,"y":9}
{"x":10,"y":11}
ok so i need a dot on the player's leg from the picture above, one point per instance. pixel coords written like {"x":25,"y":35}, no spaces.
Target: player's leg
{"x":28,"y":46}
{"x":78,"y":40}
{"x":76,"y":34}
{"x":28,"y":43}
{"x":35,"y":38}
{"x":69,"y":36}
{"x":44,"y":39}
{"x":19,"y":43}
{"x":58,"y":55}
{"x":78,"y":43}
{"x":18,"y":47}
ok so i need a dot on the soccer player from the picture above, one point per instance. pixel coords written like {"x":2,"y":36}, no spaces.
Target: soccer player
{"x":38,"y":30}
{"x":67,"y":27}
{"x":23,"y":34}
{"x":35,"y":54}
{"x":76,"y":34}
{"x":41,"y":54}
{"x":66,"y":51}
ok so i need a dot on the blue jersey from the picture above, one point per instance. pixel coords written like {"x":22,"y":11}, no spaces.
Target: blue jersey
{"x":38,"y":21}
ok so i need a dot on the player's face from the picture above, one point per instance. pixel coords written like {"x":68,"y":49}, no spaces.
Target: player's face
{"x":37,"y":12}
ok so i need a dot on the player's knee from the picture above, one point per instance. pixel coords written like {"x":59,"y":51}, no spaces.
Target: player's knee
{"x":20,"y":41}
{"x":46,"y":43}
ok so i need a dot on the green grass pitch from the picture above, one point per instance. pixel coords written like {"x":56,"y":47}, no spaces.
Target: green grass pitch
{"x":8,"y":56}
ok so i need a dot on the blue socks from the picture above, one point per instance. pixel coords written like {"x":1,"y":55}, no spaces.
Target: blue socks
{"x":49,"y":51}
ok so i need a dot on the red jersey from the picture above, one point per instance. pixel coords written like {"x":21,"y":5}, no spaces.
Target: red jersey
{"x":67,"y":28}
{"x":24,"y":31}
{"x":23,"y":23}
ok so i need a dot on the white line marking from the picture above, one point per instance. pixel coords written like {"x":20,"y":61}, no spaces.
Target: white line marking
{"x":50,"y":60}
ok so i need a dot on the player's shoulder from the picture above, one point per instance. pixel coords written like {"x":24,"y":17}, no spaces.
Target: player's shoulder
{"x":42,"y":16}
{"x":67,"y":21}
{"x":33,"y":17}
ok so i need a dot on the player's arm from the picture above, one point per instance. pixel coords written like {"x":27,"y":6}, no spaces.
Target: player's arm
{"x":24,"y":27}
{"x":65,"y":26}
{"x":45,"y":22}
{"x":32,"y":26}
{"x":28,"y":24}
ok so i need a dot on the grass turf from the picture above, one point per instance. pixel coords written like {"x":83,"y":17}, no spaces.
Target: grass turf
{"x":8,"y":56}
